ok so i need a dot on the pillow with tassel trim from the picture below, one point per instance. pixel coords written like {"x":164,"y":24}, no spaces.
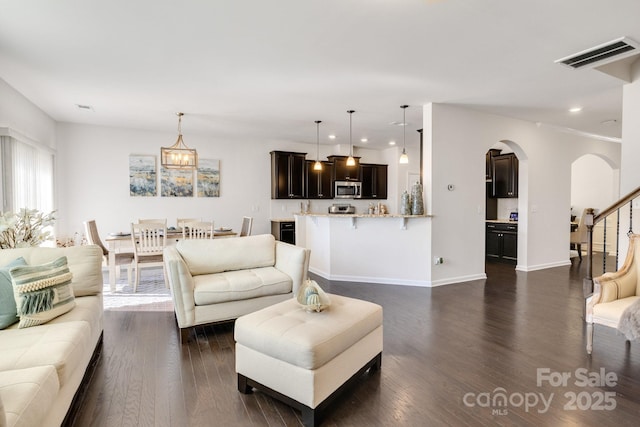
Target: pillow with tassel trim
{"x":42,"y":292}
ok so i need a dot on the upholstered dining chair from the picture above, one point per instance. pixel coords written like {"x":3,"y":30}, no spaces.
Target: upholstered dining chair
{"x":579,"y":235}
{"x":197,"y":230}
{"x":149,"y":240}
{"x":122,"y":258}
{"x":247,"y":223}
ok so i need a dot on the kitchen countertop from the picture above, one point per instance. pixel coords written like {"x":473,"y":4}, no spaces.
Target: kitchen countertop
{"x":502,"y":221}
{"x":282,"y":220}
{"x":362,"y":215}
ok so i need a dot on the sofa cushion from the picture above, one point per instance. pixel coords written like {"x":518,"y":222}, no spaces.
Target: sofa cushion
{"x":240,"y":285}
{"x":28,"y":395}
{"x":42,"y":292}
{"x":8,"y":310}
{"x":206,"y":256}
{"x":85,"y":263}
{"x":62,"y":345}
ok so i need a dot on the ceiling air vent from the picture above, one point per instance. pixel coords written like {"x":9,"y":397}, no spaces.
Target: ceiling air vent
{"x":606,"y":52}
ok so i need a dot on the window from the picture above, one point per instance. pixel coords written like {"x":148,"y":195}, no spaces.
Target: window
{"x":27,"y":175}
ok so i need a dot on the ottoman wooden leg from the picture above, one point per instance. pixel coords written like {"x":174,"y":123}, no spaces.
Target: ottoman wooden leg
{"x":376,"y":364}
{"x":243,"y":386}
{"x":310,"y":417}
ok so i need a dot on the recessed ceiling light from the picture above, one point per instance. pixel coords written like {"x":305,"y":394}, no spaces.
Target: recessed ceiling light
{"x":575,"y":109}
{"x":392,"y":143}
{"x":332,"y":136}
{"x":399,"y":123}
{"x":363,"y":140}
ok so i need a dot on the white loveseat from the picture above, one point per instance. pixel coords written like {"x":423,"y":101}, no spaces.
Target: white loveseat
{"x":216,"y":280}
{"x":42,"y":367}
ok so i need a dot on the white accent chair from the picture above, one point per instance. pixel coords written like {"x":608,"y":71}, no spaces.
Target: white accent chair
{"x":613,"y":292}
{"x":217,"y":280}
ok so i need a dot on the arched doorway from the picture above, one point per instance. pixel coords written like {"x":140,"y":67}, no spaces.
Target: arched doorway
{"x":594,"y":184}
{"x":505,"y":195}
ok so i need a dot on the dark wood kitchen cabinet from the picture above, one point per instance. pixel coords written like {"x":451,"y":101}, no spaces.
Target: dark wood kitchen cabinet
{"x":501,"y":242}
{"x":287,"y":175}
{"x":319,"y":184}
{"x":342,"y":172}
{"x":505,"y":176}
{"x":374,"y":181}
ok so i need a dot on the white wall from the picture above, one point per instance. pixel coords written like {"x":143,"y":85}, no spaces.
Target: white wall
{"x":458,"y":140}
{"x":21,"y":115}
{"x":594,"y":184}
{"x":630,"y":172}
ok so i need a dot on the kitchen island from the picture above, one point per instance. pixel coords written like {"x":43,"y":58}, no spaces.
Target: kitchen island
{"x":392,"y":249}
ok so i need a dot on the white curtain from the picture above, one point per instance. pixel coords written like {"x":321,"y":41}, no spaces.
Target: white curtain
{"x":28,"y":176}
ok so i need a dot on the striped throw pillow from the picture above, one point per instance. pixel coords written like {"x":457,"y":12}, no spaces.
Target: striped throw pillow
{"x":42,"y":292}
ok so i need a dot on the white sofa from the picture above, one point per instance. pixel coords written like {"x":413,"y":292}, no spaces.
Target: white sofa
{"x":42,"y":367}
{"x":216,"y":280}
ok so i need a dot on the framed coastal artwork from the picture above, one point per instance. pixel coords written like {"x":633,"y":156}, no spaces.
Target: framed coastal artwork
{"x":176,"y":183}
{"x":208,"y":178}
{"x":142,"y":176}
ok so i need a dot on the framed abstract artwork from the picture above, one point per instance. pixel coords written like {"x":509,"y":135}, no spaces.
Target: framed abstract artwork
{"x":208,"y":178}
{"x":142,"y":176}
{"x":176,"y":183}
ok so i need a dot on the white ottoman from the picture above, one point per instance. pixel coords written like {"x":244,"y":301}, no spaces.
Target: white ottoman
{"x":305,"y":359}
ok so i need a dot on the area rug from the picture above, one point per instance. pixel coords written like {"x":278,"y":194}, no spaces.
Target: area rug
{"x":151,"y":295}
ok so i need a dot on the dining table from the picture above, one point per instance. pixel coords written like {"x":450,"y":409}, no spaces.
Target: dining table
{"x":116,"y":242}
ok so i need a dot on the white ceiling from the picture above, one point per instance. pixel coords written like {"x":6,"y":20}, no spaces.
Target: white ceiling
{"x":266,"y":70}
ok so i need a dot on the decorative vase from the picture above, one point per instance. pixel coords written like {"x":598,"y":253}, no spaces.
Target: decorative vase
{"x":417,"y":205}
{"x":405,"y":203}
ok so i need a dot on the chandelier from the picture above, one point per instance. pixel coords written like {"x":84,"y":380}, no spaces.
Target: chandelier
{"x":179,"y":156}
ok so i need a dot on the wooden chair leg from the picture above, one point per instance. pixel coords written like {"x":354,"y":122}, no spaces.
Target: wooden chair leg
{"x":579,"y":246}
{"x":135,"y":284}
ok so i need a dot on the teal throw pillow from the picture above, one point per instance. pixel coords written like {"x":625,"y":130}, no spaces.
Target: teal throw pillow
{"x":42,"y":292}
{"x":8,"y":311}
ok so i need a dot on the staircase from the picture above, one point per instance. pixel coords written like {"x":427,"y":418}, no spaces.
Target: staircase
{"x":618,"y":215}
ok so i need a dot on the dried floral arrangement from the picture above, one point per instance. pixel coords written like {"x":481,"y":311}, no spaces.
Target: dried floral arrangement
{"x":28,"y":227}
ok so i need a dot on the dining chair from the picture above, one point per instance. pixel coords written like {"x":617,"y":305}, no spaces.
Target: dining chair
{"x":149,"y":240}
{"x":122,"y":258}
{"x":579,"y":236}
{"x":247,"y":223}
{"x":197,"y":230}
{"x":154,"y":220}
{"x":180,"y":221}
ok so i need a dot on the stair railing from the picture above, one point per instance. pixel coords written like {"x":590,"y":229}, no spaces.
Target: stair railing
{"x":593,"y":219}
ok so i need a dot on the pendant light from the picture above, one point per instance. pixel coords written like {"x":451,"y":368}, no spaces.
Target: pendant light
{"x":404,"y":159}
{"x":317,"y":166}
{"x":350,"y":160}
{"x":179,"y":156}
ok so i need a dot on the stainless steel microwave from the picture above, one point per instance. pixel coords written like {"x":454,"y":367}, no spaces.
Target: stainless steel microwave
{"x":347,"y":190}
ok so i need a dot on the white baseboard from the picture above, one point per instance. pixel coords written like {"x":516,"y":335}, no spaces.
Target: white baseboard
{"x":542,"y":266}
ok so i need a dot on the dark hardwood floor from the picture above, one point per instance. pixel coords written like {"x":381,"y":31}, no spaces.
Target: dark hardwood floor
{"x":449,"y":354}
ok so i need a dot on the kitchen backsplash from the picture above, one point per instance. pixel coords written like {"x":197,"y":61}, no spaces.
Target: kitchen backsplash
{"x":506,"y":206}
